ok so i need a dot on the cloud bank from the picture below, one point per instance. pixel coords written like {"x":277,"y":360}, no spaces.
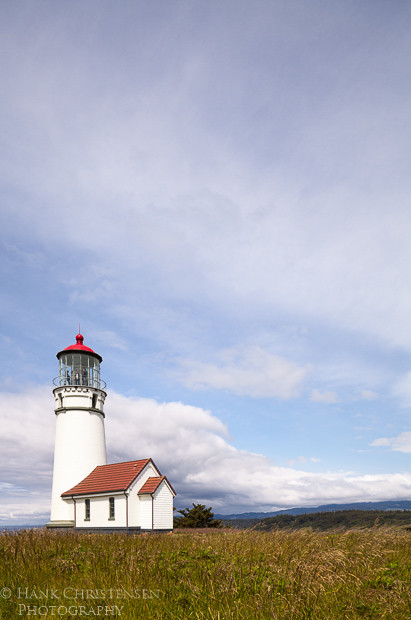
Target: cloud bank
{"x":189,"y":444}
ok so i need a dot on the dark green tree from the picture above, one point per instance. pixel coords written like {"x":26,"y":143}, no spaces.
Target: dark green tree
{"x":197,"y":516}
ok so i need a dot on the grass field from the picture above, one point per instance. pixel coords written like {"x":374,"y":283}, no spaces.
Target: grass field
{"x":209,"y":574}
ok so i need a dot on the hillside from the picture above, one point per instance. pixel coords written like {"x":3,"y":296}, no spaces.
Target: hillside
{"x":386,"y":505}
{"x":323,"y":521}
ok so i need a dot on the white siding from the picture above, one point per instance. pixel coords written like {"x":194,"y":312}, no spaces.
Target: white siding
{"x":139,"y":507}
{"x":100,"y":511}
{"x":136,"y":512}
{"x":148,"y":471}
{"x":163,"y":507}
{"x":133,"y":509}
{"x":146,"y":514}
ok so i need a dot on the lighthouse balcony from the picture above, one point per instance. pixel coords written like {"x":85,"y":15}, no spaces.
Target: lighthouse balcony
{"x":80,"y":381}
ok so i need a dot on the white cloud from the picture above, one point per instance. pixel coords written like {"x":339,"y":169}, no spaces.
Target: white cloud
{"x":26,"y":454}
{"x":108,"y":339}
{"x":249,"y":371}
{"x":368,"y":395}
{"x":402,"y":389}
{"x":303,"y":459}
{"x":319,"y":396}
{"x":34,"y":259}
{"x":189,"y":445}
{"x":26,"y":442}
{"x":401,"y":443}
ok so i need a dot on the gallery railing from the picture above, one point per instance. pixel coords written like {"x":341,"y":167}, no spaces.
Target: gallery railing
{"x":80,"y":381}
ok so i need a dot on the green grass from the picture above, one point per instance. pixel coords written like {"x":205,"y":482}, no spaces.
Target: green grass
{"x":217,"y":574}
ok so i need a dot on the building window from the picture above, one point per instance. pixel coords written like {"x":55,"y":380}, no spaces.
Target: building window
{"x":112,"y":511}
{"x":87,"y":510}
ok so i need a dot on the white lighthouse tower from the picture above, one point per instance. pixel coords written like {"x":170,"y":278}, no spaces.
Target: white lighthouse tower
{"x":80,"y":443}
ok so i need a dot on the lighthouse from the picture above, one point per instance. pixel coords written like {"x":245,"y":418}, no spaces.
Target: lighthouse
{"x":88,"y":494}
{"x":80,"y":444}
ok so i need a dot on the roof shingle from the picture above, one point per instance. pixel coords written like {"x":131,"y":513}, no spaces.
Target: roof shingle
{"x":113,"y":477}
{"x":151,"y":485}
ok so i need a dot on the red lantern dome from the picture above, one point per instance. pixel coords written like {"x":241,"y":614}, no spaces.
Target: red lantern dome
{"x":79,"y":347}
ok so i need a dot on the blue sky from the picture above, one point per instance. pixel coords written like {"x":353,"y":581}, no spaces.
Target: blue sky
{"x":220,"y":193}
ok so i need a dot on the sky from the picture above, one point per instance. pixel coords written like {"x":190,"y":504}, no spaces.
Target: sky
{"x":218,"y":192}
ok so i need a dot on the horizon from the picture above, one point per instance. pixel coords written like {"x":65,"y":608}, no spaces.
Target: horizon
{"x":221,"y":199}
{"x":233,"y":515}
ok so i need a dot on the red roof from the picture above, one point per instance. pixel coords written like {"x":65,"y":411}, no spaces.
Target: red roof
{"x":151,"y":485}
{"x":79,"y":346}
{"x":104,"y":478}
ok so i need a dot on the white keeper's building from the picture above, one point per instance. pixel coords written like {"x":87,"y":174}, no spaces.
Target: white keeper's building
{"x":87,"y":492}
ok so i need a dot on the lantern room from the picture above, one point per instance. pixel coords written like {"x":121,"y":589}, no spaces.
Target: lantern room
{"x":79,"y":365}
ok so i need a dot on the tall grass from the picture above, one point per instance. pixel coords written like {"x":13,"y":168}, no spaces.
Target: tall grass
{"x":209,"y":575}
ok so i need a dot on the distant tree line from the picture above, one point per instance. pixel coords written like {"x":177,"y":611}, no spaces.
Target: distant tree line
{"x":339,"y":519}
{"x":198,"y":516}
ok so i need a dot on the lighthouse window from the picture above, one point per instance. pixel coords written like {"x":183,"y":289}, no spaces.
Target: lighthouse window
{"x":76,"y":369}
{"x":79,"y":369}
{"x":87,"y":510}
{"x":112,"y":511}
{"x":84,"y":377}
